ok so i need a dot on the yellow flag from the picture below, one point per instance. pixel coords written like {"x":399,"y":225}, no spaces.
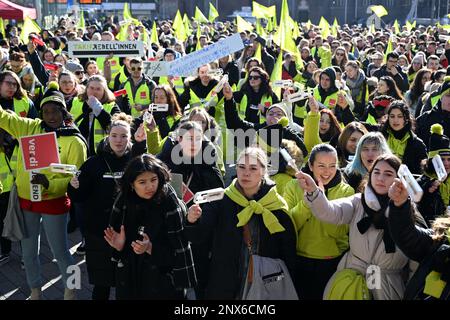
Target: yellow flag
{"x":187,"y":25}
{"x":81,"y":23}
{"x":213,"y":14}
{"x":410,"y":26}
{"x":380,"y":11}
{"x":260,"y":11}
{"x":388,"y":50}
{"x":154,"y":37}
{"x":28,"y":27}
{"x":276,"y":74}
{"x":308,"y":24}
{"x":243,"y":25}
{"x":334,"y":28}
{"x":127,"y":15}
{"x":259,"y":29}
{"x":258,"y":54}
{"x":199,"y":33}
{"x":179,"y":28}
{"x":199,"y":16}
{"x":283,"y":37}
{"x":372,"y":29}
{"x":2,"y":27}
{"x":396,"y":27}
{"x":325,"y":27}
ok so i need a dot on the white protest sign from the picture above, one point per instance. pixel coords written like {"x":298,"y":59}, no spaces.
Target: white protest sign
{"x":156,"y":68}
{"x":187,"y":65}
{"x":86,"y":49}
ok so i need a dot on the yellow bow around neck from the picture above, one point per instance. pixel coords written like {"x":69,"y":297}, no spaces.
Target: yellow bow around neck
{"x":270,"y":202}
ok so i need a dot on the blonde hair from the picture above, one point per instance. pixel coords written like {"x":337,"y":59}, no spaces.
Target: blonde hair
{"x":441,"y":228}
{"x":108,"y":96}
{"x":258,"y":154}
{"x":296,"y":153}
{"x":121,"y":120}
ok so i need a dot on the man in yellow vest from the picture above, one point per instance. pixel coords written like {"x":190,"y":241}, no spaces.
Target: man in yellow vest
{"x":139,"y":88}
{"x":177,"y":82}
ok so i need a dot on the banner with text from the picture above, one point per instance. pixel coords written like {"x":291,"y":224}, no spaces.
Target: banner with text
{"x":86,"y":49}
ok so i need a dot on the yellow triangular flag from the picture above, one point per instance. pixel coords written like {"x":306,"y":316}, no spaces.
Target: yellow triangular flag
{"x":81,"y":23}
{"x":199,"y":33}
{"x":28,"y":27}
{"x":388,"y":49}
{"x":258,"y":54}
{"x":396,"y":27}
{"x":260,"y":11}
{"x":127,"y":15}
{"x":2,"y":27}
{"x":276,"y":73}
{"x":187,"y":25}
{"x":154,"y":37}
{"x":213,"y":14}
{"x":243,"y":25}
{"x":259,"y":29}
{"x":178,"y":27}
{"x":199,"y":16}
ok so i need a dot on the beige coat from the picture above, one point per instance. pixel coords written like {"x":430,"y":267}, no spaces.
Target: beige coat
{"x":363,"y":246}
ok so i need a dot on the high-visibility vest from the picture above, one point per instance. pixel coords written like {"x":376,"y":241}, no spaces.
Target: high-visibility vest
{"x":115,"y":67}
{"x":122,"y":78}
{"x":266,"y":101}
{"x":8,"y":169}
{"x":99,"y":132}
{"x":22,"y":106}
{"x":330,"y":100}
{"x":178,"y":83}
{"x":142,"y":96}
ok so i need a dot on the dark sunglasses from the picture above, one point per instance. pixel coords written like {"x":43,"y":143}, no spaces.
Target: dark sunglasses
{"x":254,"y":77}
{"x":77,"y":73}
{"x":136,"y":68}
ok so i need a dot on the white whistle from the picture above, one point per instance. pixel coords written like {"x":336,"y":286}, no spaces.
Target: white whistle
{"x":439,"y":168}
{"x":209,"y":195}
{"x":294,"y":97}
{"x":63,"y":168}
{"x":288,"y":158}
{"x":285,"y":84}
{"x":414,"y":190}
{"x":158,"y":107}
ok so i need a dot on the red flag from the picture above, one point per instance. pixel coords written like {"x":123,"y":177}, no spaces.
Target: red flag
{"x":36,"y":40}
{"x":119,"y":93}
{"x":50,"y":66}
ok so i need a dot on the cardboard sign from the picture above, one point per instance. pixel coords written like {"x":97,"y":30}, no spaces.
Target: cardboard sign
{"x":188,"y":64}
{"x":156,"y":68}
{"x":86,"y":49}
{"x":39,"y":151}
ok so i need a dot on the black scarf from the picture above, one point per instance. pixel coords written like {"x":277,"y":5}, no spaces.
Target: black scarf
{"x":66,"y":130}
{"x":324,"y":94}
{"x":400,"y":133}
{"x":379,"y":221}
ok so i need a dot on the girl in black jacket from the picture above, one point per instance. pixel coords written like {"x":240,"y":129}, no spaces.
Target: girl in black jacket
{"x":154,"y":259}
{"x":97,"y":187}
{"x":430,"y":247}
{"x":228,"y":219}
{"x":401,"y":140}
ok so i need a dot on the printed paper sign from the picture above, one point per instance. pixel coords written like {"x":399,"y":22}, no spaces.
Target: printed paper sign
{"x":187,"y":65}
{"x":156,"y":68}
{"x":86,"y":49}
{"x":39,"y":151}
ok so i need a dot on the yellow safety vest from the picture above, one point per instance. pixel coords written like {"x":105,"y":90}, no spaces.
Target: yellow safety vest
{"x":115,"y":67}
{"x":266,"y":101}
{"x":330,"y":101}
{"x":99,"y":133}
{"x":21,"y":107}
{"x":142,"y":96}
{"x":8,"y":169}
{"x":178,"y":83}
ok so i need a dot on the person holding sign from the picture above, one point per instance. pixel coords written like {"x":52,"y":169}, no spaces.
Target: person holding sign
{"x":97,"y":103}
{"x":251,"y":208}
{"x":177,"y":83}
{"x":52,"y":210}
{"x":436,"y":195}
{"x":153,"y":257}
{"x":13,"y":97}
{"x":97,"y":186}
{"x":373,"y":252}
{"x":139,"y":88}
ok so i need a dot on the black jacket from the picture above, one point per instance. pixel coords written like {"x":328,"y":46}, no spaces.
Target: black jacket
{"x":417,"y":244}
{"x":204,"y":176}
{"x":232,"y":70}
{"x":97,"y":193}
{"x":431,"y":205}
{"x":427,"y":119}
{"x":219,"y":219}
{"x":401,"y":79}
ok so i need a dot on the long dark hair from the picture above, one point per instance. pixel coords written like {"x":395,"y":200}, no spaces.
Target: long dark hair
{"x":393,"y":89}
{"x":417,"y":88}
{"x":390,"y":159}
{"x":174,"y":107}
{"x":400,"y":105}
{"x":266,"y":88}
{"x":139,"y":165}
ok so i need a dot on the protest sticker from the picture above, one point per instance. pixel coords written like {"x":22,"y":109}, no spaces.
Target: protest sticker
{"x":39,"y":151}
{"x":156,"y":68}
{"x":86,"y":49}
{"x":188,"y":64}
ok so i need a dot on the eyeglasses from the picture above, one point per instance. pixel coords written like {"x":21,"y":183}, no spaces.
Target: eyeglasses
{"x":136,"y":68}
{"x":11,"y":84}
{"x":77,"y":73}
{"x":254,"y":77}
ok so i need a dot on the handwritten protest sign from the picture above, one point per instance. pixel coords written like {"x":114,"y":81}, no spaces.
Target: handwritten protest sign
{"x":156,"y":68}
{"x":187,"y":65}
{"x":86,"y":49}
{"x":39,"y":151}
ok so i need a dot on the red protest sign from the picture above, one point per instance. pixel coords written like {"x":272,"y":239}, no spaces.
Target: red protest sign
{"x":39,"y":151}
{"x":37,"y":40}
{"x":119,"y":93}
{"x":50,"y":66}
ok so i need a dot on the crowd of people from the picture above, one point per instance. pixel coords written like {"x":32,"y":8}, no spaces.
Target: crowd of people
{"x":371,"y":100}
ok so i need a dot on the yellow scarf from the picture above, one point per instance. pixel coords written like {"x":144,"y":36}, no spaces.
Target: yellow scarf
{"x":270,"y":202}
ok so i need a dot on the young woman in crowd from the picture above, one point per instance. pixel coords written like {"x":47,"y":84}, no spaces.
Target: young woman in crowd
{"x":347,"y":142}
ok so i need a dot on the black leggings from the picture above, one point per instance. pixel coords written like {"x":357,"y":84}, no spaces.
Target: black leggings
{"x":5,"y":244}
{"x":100,"y":293}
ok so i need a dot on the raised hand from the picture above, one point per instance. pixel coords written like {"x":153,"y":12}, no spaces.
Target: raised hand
{"x":194,"y":213}
{"x":398,"y":193}
{"x":140,"y":134}
{"x":306,"y":182}
{"x":227,"y":91}
{"x":74,"y":182}
{"x":313,"y":104}
{"x":114,"y":239}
